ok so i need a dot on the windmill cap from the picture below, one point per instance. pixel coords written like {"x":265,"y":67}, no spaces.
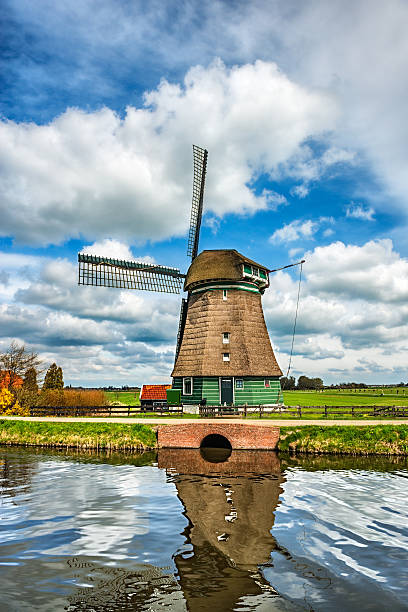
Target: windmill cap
{"x":218,"y":264}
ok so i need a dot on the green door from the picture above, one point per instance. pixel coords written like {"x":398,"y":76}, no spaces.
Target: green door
{"x":227,"y":396}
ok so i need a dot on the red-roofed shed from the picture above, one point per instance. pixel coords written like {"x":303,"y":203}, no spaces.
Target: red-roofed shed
{"x":153,"y":394}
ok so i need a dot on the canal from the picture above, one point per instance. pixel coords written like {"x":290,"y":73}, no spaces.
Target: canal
{"x":210,"y":530}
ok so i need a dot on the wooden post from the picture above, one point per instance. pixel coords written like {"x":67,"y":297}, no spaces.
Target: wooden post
{"x":325,"y":411}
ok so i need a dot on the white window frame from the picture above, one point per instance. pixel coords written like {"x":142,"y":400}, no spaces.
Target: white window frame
{"x":226,"y":357}
{"x":225,"y":294}
{"x":185,"y":378}
{"x":225,"y":337}
{"x":241,"y":386}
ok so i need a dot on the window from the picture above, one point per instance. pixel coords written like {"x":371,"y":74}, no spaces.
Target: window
{"x":267,"y":383}
{"x":225,"y":338}
{"x":188,"y":385}
{"x":225,"y":356}
{"x":224,"y":294}
{"x":239,"y":383}
{"x":254,"y":271}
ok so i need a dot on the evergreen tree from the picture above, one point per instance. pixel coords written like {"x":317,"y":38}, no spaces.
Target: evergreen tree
{"x":30,"y":380}
{"x":59,"y":379}
{"x":51,"y":377}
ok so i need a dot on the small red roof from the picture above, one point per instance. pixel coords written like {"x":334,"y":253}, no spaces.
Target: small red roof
{"x":154,"y":392}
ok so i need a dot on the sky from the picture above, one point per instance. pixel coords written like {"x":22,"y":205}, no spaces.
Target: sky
{"x":302,"y":107}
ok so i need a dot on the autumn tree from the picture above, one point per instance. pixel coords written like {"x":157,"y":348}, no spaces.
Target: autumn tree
{"x":15,"y":361}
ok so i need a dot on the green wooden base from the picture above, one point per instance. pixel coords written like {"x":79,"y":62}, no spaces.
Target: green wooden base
{"x":254,"y":392}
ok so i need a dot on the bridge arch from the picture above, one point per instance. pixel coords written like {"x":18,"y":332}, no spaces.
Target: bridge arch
{"x":215,"y":440}
{"x":238,"y":435}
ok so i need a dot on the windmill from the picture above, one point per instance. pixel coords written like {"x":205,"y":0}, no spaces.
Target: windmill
{"x":223,"y":352}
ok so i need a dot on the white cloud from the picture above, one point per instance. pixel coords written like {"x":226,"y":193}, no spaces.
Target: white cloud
{"x":353,"y":308}
{"x":352,"y":323}
{"x":357,"y":211}
{"x":96,"y":174}
{"x":295,"y":230}
{"x":301,"y":191}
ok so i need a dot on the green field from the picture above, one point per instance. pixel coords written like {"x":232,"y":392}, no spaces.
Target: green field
{"x":335,"y":397}
{"x":129,"y":398}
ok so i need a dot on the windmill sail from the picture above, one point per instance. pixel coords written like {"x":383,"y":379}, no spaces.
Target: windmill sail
{"x":104,"y":272}
{"x":200,"y":167}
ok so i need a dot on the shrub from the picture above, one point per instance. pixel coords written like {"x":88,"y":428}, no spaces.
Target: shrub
{"x":10,"y":406}
{"x":71,"y":397}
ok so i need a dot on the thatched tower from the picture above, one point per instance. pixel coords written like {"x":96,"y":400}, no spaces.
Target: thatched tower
{"x":224,"y":351}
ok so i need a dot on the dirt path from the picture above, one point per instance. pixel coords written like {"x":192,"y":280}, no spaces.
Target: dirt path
{"x":177,"y":421}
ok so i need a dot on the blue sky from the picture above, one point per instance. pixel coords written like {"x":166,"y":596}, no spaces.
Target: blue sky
{"x":302,"y":109}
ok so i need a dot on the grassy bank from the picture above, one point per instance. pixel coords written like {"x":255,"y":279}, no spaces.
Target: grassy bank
{"x":346,"y":398}
{"x":105,"y":436}
{"x":350,"y":440}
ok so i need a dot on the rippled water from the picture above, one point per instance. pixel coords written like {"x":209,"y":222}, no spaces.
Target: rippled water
{"x":181,"y":532}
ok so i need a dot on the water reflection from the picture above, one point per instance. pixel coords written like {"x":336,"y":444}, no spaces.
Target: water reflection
{"x":230,"y":507}
{"x":198,"y":531}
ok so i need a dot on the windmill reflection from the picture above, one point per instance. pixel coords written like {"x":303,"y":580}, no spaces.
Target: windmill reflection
{"x":230,"y":507}
{"x":229,"y":499}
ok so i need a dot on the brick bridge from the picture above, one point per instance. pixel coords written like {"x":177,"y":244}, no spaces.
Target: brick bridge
{"x":227,"y":435}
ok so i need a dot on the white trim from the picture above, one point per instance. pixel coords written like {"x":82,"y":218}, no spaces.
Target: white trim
{"x":237,"y":378}
{"x":225,"y":287}
{"x":225,"y":337}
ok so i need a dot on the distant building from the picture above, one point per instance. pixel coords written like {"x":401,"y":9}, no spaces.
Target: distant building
{"x":153,"y":394}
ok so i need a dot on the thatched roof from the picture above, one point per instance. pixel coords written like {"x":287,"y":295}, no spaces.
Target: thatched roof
{"x":221,"y":264}
{"x":202,"y":348}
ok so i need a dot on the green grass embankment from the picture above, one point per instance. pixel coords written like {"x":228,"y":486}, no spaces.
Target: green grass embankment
{"x":344,"y":398}
{"x":101,"y":436}
{"x":350,"y":440}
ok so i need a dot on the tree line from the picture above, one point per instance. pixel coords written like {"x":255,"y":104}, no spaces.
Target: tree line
{"x":22,"y":385}
{"x":303,"y":383}
{"x":20,"y":374}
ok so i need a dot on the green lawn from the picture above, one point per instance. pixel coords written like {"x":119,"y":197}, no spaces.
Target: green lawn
{"x":345,"y":398}
{"x":130,"y":398}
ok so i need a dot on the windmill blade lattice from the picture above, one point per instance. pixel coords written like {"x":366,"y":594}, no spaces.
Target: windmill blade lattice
{"x":104,"y":272}
{"x":200,"y":167}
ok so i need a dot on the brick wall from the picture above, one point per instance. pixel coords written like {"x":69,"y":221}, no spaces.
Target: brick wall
{"x":190,"y":461}
{"x":240,"y":435}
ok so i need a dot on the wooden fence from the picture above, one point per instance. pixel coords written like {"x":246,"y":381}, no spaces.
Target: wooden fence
{"x":216,"y":411}
{"x":103,"y":411}
{"x":303,"y":411}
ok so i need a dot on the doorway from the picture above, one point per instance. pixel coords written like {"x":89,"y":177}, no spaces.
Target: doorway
{"x":227,"y":393}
